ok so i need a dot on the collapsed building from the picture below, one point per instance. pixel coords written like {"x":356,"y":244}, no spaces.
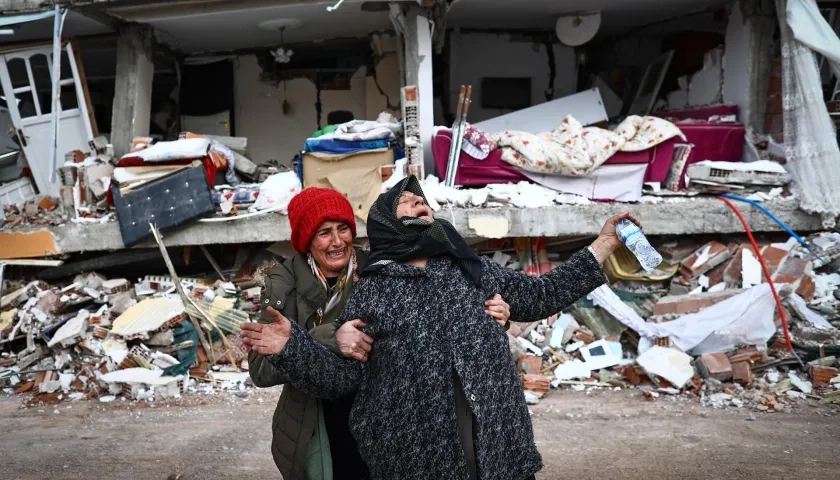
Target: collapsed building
{"x":530,"y":125}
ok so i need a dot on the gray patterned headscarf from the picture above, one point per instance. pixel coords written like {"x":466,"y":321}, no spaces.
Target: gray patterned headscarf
{"x":395,"y":239}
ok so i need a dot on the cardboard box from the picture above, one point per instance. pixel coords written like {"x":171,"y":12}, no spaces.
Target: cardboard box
{"x":317,"y":166}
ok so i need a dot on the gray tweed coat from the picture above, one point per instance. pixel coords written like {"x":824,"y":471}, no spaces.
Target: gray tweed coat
{"x":427,"y":323}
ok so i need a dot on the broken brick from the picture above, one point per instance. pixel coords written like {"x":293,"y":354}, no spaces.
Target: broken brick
{"x":127,"y":363}
{"x":675,"y":254}
{"x":741,"y":357}
{"x":773,"y":258}
{"x":779,"y":343}
{"x":632,"y":375}
{"x":47,"y":204}
{"x":742,"y":372}
{"x":530,"y":364}
{"x":695,"y":265}
{"x":515,"y":329}
{"x":732,"y":272}
{"x":716,"y":274}
{"x":112,"y":287}
{"x":665,"y":308}
{"x":821,"y":376}
{"x":50,"y":303}
{"x":752,"y":352}
{"x":584,"y":337}
{"x":791,"y":270}
{"x":26,"y":387}
{"x":536,"y":383}
{"x":714,"y":365}
{"x":684,"y":304}
{"x":807,"y":288}
{"x":31,"y":210}
{"x":100,"y":332}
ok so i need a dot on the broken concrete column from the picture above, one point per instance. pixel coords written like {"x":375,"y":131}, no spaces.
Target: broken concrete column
{"x":748,"y":59}
{"x":418,"y":71}
{"x":133,"y":91}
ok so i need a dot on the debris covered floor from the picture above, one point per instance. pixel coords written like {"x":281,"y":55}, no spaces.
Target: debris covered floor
{"x":614,"y":435}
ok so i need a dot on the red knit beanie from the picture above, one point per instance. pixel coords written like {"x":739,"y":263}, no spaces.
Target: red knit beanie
{"x":314,"y":206}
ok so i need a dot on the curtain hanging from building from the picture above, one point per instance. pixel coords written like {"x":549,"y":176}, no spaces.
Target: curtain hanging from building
{"x":813,"y":157}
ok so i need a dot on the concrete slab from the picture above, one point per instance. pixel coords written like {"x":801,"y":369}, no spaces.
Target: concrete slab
{"x":690,"y":217}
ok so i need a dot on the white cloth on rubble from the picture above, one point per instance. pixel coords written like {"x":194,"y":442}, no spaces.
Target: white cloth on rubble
{"x":277,"y":191}
{"x":813,"y":156}
{"x":363,"y":130}
{"x":520,"y":195}
{"x":184,"y":149}
{"x":230,"y":175}
{"x":622,"y":183}
{"x":746,"y":318}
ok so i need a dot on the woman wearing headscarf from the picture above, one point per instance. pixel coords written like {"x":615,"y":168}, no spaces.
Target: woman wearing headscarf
{"x":311,"y":439}
{"x":439,"y":397}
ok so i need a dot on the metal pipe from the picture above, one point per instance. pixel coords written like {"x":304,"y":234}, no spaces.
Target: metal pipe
{"x":58,"y":26}
{"x":452,"y":152}
{"x":460,"y":138}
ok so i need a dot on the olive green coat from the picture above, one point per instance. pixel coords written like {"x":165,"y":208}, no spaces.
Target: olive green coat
{"x":294,"y":290}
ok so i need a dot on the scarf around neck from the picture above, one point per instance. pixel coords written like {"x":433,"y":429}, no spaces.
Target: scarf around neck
{"x":395,"y":239}
{"x":339,"y":293}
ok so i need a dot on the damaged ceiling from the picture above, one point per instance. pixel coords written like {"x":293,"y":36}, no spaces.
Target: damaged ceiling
{"x":75,"y":25}
{"x":617,"y":15}
{"x":220,"y":27}
{"x":224,"y":26}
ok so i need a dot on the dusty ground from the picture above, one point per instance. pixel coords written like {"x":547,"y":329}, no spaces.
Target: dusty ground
{"x":599,"y":435}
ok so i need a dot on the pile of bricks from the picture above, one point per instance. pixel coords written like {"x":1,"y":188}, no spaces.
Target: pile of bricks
{"x":59,"y":343}
{"x":714,"y":272}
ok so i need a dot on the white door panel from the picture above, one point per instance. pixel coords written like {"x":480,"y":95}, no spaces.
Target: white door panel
{"x":27,"y":87}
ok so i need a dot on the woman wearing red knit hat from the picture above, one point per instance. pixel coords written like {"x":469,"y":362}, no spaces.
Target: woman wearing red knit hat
{"x":311,"y":439}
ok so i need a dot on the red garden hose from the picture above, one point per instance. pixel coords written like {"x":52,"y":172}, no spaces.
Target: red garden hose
{"x":766,"y":272}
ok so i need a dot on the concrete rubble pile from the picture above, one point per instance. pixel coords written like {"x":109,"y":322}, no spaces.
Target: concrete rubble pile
{"x":707,"y":327}
{"x":703,"y":325}
{"x":85,"y":180}
{"x":108,"y":338}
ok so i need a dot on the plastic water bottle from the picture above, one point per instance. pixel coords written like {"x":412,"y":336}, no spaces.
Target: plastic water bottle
{"x":633,"y":238}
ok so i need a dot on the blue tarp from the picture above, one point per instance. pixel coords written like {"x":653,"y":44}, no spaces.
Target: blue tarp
{"x":340,"y":147}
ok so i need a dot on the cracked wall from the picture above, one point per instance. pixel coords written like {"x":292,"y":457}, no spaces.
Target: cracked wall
{"x":473,"y":56}
{"x":274,"y":135}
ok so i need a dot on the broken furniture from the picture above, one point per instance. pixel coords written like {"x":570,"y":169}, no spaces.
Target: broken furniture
{"x":167,"y":202}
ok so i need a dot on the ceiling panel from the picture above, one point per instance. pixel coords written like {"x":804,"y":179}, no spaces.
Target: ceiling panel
{"x":240,"y":29}
{"x":542,"y":14}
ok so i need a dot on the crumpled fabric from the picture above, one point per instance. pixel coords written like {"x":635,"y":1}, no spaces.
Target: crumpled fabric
{"x":360,"y":130}
{"x":813,"y":157}
{"x":574,"y":150}
{"x":747,"y":319}
{"x":220,"y":151}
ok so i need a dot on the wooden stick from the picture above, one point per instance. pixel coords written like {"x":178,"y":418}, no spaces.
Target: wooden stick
{"x":555,"y":355}
{"x":187,"y":300}
{"x":551,"y":367}
{"x":29,"y":262}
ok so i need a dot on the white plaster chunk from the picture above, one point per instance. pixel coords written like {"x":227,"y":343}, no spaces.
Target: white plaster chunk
{"x":490,"y":226}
